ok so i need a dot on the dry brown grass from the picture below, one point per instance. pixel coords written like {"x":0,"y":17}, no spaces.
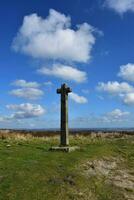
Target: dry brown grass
{"x":46,"y":136}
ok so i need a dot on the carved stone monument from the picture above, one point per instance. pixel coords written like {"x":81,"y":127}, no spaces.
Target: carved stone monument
{"x":64,"y":132}
{"x":64,"y":90}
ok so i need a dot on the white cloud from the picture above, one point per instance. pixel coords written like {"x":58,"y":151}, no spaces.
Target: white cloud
{"x":24,"y":84}
{"x":114,"y":116}
{"x":127,"y":72}
{"x":2,"y":119}
{"x":117,"y":113}
{"x":129,"y":99}
{"x":115,"y":88}
{"x":78,"y":99}
{"x":122,"y":90}
{"x":65,"y":72}
{"x":27,"y":93}
{"x":26,"y":110}
{"x":121,"y":6}
{"x":53,"y":38}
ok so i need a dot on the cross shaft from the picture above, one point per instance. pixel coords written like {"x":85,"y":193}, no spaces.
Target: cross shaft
{"x":64,"y":90}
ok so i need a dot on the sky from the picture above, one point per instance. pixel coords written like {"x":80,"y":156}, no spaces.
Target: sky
{"x":89,"y":45}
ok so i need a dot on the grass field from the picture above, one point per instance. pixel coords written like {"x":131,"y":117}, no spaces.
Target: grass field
{"x":103,"y":169}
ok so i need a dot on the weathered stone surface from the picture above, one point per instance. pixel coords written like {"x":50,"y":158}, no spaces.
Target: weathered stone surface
{"x":64,"y":90}
{"x":64,"y":135}
{"x":64,"y":149}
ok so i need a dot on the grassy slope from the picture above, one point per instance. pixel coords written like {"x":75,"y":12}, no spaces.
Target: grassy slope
{"x":28,"y":171}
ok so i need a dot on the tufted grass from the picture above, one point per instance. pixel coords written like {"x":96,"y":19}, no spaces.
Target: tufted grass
{"x":29,"y":171}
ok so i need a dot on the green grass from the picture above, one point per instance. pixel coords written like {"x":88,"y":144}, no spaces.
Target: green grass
{"x":29,"y":171}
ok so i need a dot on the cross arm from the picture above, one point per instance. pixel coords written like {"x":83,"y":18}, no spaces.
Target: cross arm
{"x":58,"y":91}
{"x":68,"y":90}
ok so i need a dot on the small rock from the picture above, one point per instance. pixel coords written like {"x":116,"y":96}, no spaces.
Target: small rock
{"x":80,"y":194}
{"x":54,"y":181}
{"x":69,"y":179}
{"x":8,"y":145}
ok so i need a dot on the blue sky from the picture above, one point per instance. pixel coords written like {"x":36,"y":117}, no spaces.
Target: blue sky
{"x":87,"y":44}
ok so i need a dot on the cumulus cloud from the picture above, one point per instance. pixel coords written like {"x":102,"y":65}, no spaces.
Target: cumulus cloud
{"x":65,"y":72}
{"x":114,"y":116}
{"x":121,"y":6}
{"x":26,"y":110}
{"x":129,"y":99}
{"x":25,"y":84}
{"x":123,"y":90}
{"x":27,"y":93}
{"x":53,"y":38}
{"x":78,"y":99}
{"x":115,"y":88}
{"x":117,"y":113}
{"x":127,"y":72}
{"x":2,"y":119}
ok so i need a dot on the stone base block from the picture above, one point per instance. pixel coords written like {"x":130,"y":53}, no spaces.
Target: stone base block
{"x":64,"y":149}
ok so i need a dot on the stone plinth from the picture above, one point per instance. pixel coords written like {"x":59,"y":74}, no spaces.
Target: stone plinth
{"x":64,"y":149}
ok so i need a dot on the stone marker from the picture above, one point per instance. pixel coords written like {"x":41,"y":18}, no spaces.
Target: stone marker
{"x":64,"y":90}
{"x":64,"y":132}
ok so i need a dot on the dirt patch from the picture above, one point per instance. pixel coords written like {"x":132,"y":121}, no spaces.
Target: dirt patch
{"x":108,"y":169}
{"x":100,"y":167}
{"x":123,"y":179}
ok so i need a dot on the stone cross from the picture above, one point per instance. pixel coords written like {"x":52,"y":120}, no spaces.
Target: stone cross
{"x":64,"y":90}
